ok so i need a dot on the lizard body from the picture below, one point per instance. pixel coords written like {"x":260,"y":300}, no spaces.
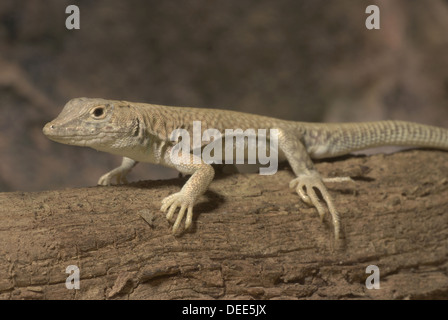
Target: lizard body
{"x":142,"y":133}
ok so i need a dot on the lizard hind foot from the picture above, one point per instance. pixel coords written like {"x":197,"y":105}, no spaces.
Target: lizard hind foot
{"x":337,"y":179}
{"x":306,"y":186}
{"x":171,"y":203}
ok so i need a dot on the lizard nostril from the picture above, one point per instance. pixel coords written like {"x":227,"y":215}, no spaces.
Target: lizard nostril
{"x":48,"y":128}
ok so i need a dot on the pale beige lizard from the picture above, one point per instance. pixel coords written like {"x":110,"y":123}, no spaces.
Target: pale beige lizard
{"x":141,"y":132}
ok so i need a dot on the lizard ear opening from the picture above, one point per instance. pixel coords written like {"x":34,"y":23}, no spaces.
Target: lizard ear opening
{"x":98,"y":112}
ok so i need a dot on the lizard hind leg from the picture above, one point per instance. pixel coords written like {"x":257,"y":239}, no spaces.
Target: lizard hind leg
{"x":308,"y":182}
{"x":306,"y":186}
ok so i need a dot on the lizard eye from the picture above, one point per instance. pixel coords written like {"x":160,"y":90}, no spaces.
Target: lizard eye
{"x":98,"y":112}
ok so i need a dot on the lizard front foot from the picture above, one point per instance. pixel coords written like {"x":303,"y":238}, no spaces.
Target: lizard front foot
{"x":118,"y":174}
{"x":306,"y":186}
{"x":184,"y":202}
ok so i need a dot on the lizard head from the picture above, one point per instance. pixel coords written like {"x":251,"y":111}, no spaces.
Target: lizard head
{"x":101,"y":124}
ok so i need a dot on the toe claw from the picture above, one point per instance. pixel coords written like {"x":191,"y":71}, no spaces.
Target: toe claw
{"x":170,"y":214}
{"x":180,"y":216}
{"x":189,"y":218}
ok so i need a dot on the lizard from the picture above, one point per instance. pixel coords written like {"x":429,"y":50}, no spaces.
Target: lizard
{"x":141,"y":132}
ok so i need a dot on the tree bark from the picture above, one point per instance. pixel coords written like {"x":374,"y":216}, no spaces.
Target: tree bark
{"x":252,"y":237}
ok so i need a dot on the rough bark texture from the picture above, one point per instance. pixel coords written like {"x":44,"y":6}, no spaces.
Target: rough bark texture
{"x":252,"y":237}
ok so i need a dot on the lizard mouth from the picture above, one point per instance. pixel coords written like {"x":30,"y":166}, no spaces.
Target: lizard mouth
{"x":76,"y":137}
{"x":66,"y":136}
{"x":54,"y":133}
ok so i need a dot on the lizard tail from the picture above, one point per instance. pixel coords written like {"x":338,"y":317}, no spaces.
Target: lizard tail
{"x":340,"y":139}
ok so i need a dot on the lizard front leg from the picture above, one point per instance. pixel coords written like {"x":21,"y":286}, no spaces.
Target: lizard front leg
{"x":202,"y":175}
{"x":308,"y":180}
{"x":119,"y":173}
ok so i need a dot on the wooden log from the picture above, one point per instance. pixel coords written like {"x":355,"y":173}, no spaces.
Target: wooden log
{"x":251,"y":238}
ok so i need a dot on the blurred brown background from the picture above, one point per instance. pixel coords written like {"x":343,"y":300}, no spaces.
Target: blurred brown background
{"x":308,"y":60}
